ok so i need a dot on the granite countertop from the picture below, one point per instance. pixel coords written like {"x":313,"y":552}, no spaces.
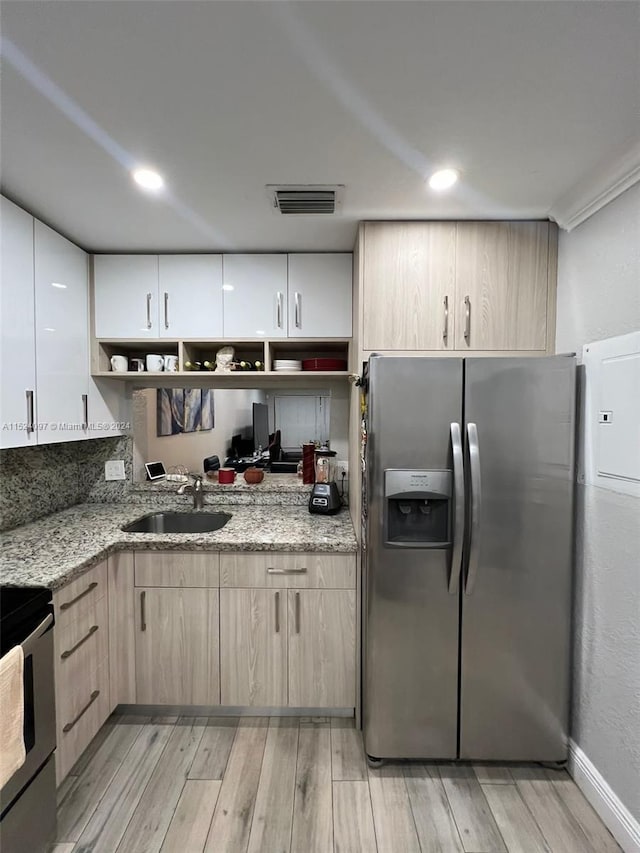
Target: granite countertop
{"x":52,"y":551}
{"x":277,"y":483}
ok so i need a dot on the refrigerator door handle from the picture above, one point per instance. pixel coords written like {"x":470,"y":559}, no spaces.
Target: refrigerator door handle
{"x":458,"y":509}
{"x":475,"y":503}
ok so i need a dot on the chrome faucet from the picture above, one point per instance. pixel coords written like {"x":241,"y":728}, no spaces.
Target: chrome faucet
{"x":196,"y":490}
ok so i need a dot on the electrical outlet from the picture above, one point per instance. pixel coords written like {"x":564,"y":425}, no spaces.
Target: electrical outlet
{"x":114,"y":470}
{"x":342,"y":467}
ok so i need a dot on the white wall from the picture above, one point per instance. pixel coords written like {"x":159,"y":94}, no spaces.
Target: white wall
{"x":598,"y":298}
{"x":232,"y":414}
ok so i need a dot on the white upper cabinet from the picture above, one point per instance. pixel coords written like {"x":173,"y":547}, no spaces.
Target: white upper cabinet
{"x":320,"y":295}
{"x":255,"y":296}
{"x":62,"y":337}
{"x":126,"y":296}
{"x":190,"y":296}
{"x":17,"y":334}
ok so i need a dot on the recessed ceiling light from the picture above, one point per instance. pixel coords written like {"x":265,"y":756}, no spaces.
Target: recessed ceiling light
{"x":148,"y":179}
{"x":443,"y":179}
{"x":57,"y":284}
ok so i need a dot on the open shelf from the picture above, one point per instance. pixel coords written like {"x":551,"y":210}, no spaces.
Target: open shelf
{"x":199,"y":351}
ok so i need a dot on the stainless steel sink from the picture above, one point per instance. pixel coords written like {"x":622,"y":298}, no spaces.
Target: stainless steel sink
{"x":178,"y":522}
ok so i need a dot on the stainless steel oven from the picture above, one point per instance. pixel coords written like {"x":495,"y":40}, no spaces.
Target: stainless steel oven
{"x":28,"y":800}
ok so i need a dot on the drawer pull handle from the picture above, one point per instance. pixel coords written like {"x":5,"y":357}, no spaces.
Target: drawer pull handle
{"x":297,"y":612}
{"x":286,"y":571}
{"x":143,"y":615}
{"x":93,"y":698}
{"x":467,"y":319}
{"x":277,"y":612}
{"x":75,"y":648}
{"x":69,"y":604}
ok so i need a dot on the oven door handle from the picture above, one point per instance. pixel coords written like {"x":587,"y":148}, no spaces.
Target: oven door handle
{"x":42,"y":628}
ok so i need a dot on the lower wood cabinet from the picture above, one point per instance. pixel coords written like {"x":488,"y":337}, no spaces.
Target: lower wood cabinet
{"x":288,"y":646}
{"x":322,"y":648}
{"x":177,"y":646}
{"x":253,"y":646}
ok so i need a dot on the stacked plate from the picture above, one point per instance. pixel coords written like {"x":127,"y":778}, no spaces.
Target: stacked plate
{"x":288,"y":364}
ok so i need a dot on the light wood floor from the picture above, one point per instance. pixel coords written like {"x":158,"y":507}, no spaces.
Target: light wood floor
{"x":256,"y":785}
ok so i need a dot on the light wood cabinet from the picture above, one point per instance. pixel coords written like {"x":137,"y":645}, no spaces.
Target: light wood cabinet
{"x":409,"y":285}
{"x":457,"y":287}
{"x":176,"y":646}
{"x":253,"y":647}
{"x":501,"y":285}
{"x":81,"y":665}
{"x":322,"y":648}
{"x":286,"y":637}
{"x":171,"y":568}
{"x":122,"y":633}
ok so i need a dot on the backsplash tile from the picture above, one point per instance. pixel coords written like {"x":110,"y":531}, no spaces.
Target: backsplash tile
{"x":36,"y":481}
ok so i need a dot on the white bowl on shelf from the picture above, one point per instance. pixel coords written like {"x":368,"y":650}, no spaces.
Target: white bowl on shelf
{"x":287,"y":364}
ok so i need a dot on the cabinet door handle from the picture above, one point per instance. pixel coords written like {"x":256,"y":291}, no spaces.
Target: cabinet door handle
{"x":297,"y":612}
{"x":300,"y":571}
{"x":31,"y":427}
{"x":467,"y":319}
{"x":68,"y":604}
{"x":298,"y":310}
{"x":277,"y":612}
{"x":149,"y":310}
{"x":70,"y":725}
{"x":85,"y":411}
{"x":143,"y":615}
{"x":166,"y":310}
{"x":445,"y":328}
{"x":279,"y":310}
{"x":67,"y":654}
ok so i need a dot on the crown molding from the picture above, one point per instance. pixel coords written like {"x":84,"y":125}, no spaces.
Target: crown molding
{"x":605,"y":183}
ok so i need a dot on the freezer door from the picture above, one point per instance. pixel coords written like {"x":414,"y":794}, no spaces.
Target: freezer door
{"x":411,"y":618}
{"x":516,"y":603}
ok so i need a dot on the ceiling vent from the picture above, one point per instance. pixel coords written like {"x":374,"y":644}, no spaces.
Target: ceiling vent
{"x":305,"y":200}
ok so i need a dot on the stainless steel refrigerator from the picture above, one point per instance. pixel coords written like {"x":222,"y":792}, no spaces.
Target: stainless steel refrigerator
{"x":468,"y":507}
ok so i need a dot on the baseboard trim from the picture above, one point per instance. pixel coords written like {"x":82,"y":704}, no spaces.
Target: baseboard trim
{"x":617,"y":817}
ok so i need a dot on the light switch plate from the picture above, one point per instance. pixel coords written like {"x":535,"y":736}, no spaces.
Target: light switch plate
{"x":114,"y":470}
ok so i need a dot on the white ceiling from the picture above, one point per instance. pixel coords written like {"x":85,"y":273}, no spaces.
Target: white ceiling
{"x":528,"y":99}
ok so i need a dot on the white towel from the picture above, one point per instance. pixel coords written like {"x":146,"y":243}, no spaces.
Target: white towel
{"x":12,"y":750}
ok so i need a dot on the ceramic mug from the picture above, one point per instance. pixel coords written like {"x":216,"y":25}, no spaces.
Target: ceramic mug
{"x":226,"y":475}
{"x":155,"y":363}
{"x":171,"y":363}
{"x":119,"y":363}
{"x":136,"y":365}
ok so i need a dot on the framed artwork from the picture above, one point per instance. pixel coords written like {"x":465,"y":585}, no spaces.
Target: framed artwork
{"x":182,"y":410}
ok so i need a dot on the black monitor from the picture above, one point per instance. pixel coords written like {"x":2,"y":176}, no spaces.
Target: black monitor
{"x":260,"y":426}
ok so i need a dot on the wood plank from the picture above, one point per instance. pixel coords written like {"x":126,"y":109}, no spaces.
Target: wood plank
{"x":76,"y":809}
{"x":392,"y":815}
{"x":560,"y":829}
{"x":109,"y":821}
{"x":273,"y":813}
{"x":151,"y":819}
{"x":353,"y":830}
{"x":347,"y":751}
{"x":234,"y":811}
{"x":62,"y":848}
{"x":597,"y":833}
{"x":312,"y":830}
{"x":213,"y":752}
{"x":493,"y":774}
{"x":514,"y":820}
{"x":471,"y":811}
{"x":435,"y":824}
{"x":192,"y":818}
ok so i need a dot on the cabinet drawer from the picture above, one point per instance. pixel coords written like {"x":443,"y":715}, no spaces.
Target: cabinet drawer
{"x":298,"y":571}
{"x":177,"y":568}
{"x":82,"y":644}
{"x":82,"y":709}
{"x":79,"y":596}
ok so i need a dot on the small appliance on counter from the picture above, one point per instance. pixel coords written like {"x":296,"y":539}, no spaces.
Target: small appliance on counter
{"x":325,"y":498}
